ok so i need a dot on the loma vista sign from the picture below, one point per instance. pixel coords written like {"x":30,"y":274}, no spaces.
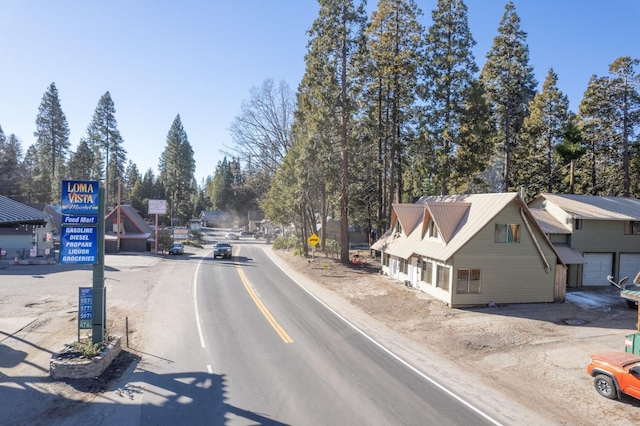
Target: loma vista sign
{"x":79,"y":236}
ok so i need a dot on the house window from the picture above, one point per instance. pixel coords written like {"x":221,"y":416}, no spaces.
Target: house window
{"x":433,"y":229}
{"x":385,"y":259}
{"x":427,"y":272}
{"x":578,"y":224}
{"x":632,"y":227}
{"x":468,"y":281}
{"x":442,"y":279}
{"x":404,"y":266}
{"x":507,"y":233}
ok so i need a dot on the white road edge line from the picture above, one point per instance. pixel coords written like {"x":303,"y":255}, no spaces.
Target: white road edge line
{"x":195,"y":302}
{"x":388,"y":351}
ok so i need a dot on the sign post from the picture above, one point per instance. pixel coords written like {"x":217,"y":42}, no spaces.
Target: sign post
{"x":313,"y":240}
{"x":82,"y":242}
{"x":157,"y":207}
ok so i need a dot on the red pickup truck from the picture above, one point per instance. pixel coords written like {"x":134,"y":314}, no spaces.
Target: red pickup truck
{"x":615,"y":373}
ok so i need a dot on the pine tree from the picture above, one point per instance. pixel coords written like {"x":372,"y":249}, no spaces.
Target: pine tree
{"x":104,"y":137}
{"x":535,"y":165}
{"x":131,"y":177}
{"x":327,"y":98}
{"x":10,"y":170}
{"x":625,"y":96}
{"x":395,"y":49}
{"x":609,"y":115}
{"x":81,"y":162}
{"x":36,"y":183}
{"x":177,"y":168}
{"x":144,"y":190}
{"x":451,"y":102}
{"x":52,"y":133}
{"x":510,"y":86}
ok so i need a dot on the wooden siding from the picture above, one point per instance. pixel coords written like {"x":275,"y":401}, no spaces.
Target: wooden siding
{"x":510,"y":272}
{"x":603,"y":236}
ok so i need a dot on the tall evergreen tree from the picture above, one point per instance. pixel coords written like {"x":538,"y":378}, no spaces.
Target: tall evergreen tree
{"x":510,"y":86}
{"x":36,"y":183}
{"x":131,"y":177}
{"x":570,"y":150}
{"x":144,"y":190}
{"x":328,"y":92}
{"x":599,"y":172}
{"x":609,"y":117}
{"x":105,"y":140}
{"x":535,"y":162}
{"x":450,"y":92}
{"x":625,"y":85}
{"x":52,"y":133}
{"x":81,"y":162}
{"x":10,"y":170}
{"x":395,"y":47}
{"x":177,"y":168}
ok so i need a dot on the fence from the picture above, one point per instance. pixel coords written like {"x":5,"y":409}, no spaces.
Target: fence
{"x":25,"y":254}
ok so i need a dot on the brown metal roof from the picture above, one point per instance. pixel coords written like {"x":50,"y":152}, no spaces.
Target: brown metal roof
{"x":458,"y":217}
{"x":548,"y":223}
{"x":409,"y":215}
{"x":448,"y":217}
{"x":568,"y":255}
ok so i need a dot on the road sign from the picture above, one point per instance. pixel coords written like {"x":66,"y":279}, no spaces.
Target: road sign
{"x":313,"y":239}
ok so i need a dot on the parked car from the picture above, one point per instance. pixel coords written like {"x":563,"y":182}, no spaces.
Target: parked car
{"x":231,"y":236}
{"x":176,"y":248}
{"x":223,"y":250}
{"x":615,"y":373}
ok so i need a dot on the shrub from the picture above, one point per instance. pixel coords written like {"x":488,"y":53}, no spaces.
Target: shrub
{"x":88,"y":350}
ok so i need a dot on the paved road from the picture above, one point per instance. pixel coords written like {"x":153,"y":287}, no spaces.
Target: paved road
{"x":285,"y":358}
{"x":238,"y":342}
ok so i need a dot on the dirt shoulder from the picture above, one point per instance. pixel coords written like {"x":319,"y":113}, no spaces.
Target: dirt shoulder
{"x":535,"y":353}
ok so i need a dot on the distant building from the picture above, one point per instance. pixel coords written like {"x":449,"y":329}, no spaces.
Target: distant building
{"x":25,"y":231}
{"x":136,"y":235}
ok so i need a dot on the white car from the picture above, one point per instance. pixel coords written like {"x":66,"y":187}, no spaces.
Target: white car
{"x":231,"y":236}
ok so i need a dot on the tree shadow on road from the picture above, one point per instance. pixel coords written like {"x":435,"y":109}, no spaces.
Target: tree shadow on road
{"x":126,"y":393}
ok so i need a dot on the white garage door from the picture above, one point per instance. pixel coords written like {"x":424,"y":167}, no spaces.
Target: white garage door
{"x":598,"y":266}
{"x":629,"y":265}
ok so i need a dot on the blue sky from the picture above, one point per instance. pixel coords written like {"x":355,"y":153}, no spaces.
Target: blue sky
{"x":200,"y":59}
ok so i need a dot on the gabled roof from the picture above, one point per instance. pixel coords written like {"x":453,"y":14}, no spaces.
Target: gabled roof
{"x":54,"y":210}
{"x":409,"y":215}
{"x":144,"y":229}
{"x":548,"y":223}
{"x":458,"y":217}
{"x":13,"y":213}
{"x":596,"y":207}
{"x":447,"y":216}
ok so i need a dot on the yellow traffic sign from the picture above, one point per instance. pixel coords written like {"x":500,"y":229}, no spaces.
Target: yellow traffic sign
{"x":313,"y":239}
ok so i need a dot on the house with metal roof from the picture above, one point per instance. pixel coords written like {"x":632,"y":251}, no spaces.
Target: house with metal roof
{"x":595,"y":236}
{"x":25,"y":233}
{"x":136,"y":235}
{"x":472,"y":250}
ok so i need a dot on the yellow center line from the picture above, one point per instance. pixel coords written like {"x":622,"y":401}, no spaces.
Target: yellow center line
{"x":283,"y":334}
